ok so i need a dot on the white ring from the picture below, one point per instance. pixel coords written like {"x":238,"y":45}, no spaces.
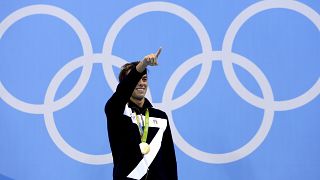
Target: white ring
{"x":153,"y":7}
{"x":75,"y":154}
{"x":301,"y":100}
{"x":242,"y":151}
{"x":67,"y":18}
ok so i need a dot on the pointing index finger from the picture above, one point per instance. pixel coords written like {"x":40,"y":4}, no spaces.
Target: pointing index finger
{"x":158,"y":52}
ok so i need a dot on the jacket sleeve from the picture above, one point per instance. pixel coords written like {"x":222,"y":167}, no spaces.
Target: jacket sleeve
{"x":119,"y":99}
{"x":170,"y":153}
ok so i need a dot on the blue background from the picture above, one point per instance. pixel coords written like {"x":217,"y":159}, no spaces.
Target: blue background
{"x":284,"y":44}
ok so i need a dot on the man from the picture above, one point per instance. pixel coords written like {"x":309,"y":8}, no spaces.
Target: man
{"x":139,"y":135}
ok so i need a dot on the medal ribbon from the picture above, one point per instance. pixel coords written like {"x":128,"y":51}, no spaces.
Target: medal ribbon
{"x":143,"y":134}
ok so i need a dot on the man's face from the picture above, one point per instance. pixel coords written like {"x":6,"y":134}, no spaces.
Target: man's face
{"x":141,"y":88}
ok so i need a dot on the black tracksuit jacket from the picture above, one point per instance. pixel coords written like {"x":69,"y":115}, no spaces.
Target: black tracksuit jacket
{"x":124,"y":137}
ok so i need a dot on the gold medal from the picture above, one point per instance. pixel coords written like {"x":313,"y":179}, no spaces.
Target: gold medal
{"x":144,"y":147}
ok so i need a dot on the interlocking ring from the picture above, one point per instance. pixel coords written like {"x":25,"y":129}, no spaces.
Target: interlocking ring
{"x":245,"y":94}
{"x":87,"y":50}
{"x":228,"y":58}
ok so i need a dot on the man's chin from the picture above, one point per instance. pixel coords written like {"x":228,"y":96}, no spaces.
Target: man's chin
{"x":139,"y":98}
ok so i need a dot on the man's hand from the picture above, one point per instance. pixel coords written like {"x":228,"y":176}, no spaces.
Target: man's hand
{"x":152,"y":59}
{"x":149,"y":60}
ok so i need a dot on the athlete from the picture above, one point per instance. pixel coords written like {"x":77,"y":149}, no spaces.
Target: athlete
{"x":139,"y":134}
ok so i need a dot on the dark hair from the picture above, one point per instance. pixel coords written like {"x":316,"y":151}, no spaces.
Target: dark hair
{"x":125,"y":69}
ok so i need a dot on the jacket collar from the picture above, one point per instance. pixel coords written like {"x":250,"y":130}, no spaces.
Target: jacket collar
{"x":137,"y":109}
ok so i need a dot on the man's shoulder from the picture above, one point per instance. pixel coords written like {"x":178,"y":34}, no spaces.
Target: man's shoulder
{"x":158,"y":113}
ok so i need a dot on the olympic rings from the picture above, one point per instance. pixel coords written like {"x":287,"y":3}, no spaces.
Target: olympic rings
{"x":228,"y":58}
